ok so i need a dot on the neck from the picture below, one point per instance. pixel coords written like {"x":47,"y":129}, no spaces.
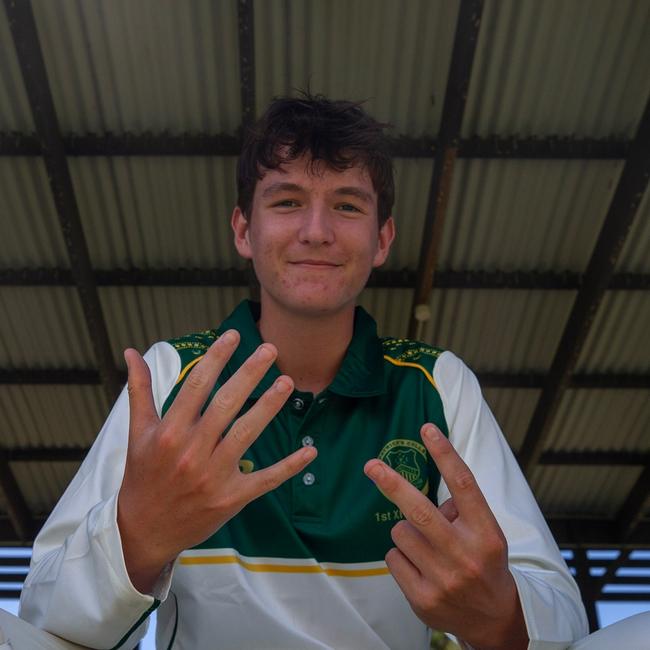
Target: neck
{"x":310,"y":348}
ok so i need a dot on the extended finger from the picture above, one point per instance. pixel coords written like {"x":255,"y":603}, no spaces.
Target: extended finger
{"x":248,"y":427}
{"x":142,"y":409}
{"x":265,"y":480}
{"x":415,"y":506}
{"x":229,"y":399}
{"x":201,"y":379}
{"x":464,"y":489}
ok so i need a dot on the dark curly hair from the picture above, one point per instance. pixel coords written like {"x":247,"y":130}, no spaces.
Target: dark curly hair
{"x":339,"y":133}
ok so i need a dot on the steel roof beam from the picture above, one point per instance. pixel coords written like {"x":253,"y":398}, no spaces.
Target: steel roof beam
{"x":380,"y":278}
{"x":460,"y":72}
{"x":549,"y":147}
{"x":636,"y":504}
{"x":578,"y":458}
{"x":32,"y":65}
{"x":523,"y":380}
{"x":20,"y":517}
{"x":631,"y":187}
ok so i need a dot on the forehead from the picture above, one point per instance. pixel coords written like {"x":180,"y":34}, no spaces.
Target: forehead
{"x":316,"y":175}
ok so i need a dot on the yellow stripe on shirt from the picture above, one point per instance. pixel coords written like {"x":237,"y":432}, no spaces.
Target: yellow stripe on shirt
{"x":283,"y":568}
{"x":409,"y":364}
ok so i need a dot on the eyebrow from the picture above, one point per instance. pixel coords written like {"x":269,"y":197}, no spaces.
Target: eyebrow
{"x":362,"y":195}
{"x":351,"y":190}
{"x":281,"y":187}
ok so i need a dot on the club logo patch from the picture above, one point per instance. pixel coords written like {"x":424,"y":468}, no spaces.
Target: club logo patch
{"x":408,"y":458}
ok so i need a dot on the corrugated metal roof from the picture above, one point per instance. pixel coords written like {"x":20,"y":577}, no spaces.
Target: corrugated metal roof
{"x":512,"y":409}
{"x":139,"y":316}
{"x":43,"y":483}
{"x":499,"y":330}
{"x":584,"y":491}
{"x":151,"y":65}
{"x":43,"y":327}
{"x":602,"y":420}
{"x":29,"y":227}
{"x":526,"y":214}
{"x":569,"y":68}
{"x":635,"y":255}
{"x":157,"y":212}
{"x":50,"y":415}
{"x":15,"y":114}
{"x":394,"y":54}
{"x":618,"y":340}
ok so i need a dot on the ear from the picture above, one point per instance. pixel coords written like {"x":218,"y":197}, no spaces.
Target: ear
{"x":385,"y":239}
{"x":241,"y":230}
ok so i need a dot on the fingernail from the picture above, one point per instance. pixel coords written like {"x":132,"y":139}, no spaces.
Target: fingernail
{"x":431,"y":433}
{"x":375,"y":472}
{"x":229,"y":338}
{"x":282,"y":385}
{"x":126,"y":358}
{"x":264,"y":353}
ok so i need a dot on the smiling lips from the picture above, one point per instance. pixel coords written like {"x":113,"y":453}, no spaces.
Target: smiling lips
{"x":316,"y":264}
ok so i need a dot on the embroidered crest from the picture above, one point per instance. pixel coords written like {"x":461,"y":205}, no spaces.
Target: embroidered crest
{"x":408,"y":458}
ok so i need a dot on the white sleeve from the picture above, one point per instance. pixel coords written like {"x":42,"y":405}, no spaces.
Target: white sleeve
{"x":78,"y":587}
{"x":549,"y":596}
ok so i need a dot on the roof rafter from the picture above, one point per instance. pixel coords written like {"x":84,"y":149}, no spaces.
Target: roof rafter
{"x":549,"y":147}
{"x":632,"y":184}
{"x":32,"y":65}
{"x":460,"y":71}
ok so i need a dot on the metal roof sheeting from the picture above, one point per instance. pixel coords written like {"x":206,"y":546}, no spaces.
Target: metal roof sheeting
{"x":583,"y":491}
{"x":526,"y":214}
{"x":43,"y":483}
{"x":618,"y":340}
{"x":43,"y":327}
{"x":602,"y":420}
{"x":157,"y":212}
{"x":499,"y":330}
{"x":635,"y":255}
{"x":512,"y":409}
{"x":15,"y":114}
{"x":151,"y":65}
{"x":394,"y":54}
{"x":574,"y":68}
{"x":51,"y":416}
{"x":29,"y":226}
{"x":140,"y":316}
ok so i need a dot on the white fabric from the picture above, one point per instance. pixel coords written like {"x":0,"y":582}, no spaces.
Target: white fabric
{"x":78,"y":586}
{"x":16,"y":634}
{"x":631,"y":633}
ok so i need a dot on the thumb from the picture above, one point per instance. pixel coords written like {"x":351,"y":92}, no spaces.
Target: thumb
{"x":142,"y":409}
{"x":449,"y":510}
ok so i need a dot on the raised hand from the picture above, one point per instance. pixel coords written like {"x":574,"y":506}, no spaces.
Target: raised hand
{"x":452,"y":562}
{"x":182,"y":480}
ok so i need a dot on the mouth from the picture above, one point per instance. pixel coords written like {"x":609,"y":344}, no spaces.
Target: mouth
{"x":317,"y":264}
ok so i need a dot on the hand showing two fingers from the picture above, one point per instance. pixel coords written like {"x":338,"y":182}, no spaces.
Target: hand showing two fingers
{"x":452,"y":562}
{"x":182,"y":480}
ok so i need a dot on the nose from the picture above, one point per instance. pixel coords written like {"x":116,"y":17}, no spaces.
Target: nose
{"x":316,"y":226}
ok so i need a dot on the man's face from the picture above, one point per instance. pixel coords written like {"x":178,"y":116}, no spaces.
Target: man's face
{"x":313,"y":236}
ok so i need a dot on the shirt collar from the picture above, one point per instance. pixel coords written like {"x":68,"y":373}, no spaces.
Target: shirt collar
{"x":361,"y":374}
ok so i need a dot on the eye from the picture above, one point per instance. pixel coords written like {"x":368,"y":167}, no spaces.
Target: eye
{"x":348,"y":207}
{"x":286,"y":203}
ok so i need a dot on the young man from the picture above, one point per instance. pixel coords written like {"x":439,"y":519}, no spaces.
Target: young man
{"x":231,"y":487}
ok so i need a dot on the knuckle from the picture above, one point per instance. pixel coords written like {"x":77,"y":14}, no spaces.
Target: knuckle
{"x":427,"y":597}
{"x":197,"y":379}
{"x":421,"y":514}
{"x":269,"y":481}
{"x":465,"y":480}
{"x":223,"y":402}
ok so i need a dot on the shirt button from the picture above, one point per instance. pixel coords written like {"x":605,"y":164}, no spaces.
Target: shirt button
{"x":298,"y":404}
{"x":308,"y":478}
{"x":307,"y":441}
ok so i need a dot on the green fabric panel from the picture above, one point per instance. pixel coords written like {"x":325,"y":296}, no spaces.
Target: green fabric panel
{"x":341,"y":517}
